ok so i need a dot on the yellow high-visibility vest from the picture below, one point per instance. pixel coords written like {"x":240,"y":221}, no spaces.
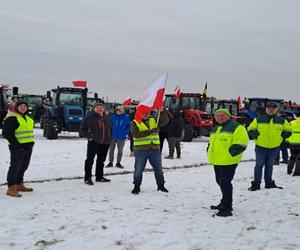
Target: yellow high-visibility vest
{"x":153,"y":138}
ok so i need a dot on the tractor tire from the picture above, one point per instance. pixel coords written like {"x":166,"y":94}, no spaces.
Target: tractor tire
{"x":187,"y":133}
{"x":50,"y":131}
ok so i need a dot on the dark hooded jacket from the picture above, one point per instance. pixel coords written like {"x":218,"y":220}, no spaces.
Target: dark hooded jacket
{"x":97,"y":128}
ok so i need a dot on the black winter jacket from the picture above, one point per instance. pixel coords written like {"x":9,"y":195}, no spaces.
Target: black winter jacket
{"x":97,"y":128}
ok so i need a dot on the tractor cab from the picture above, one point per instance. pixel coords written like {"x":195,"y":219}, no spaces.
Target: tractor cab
{"x":65,"y":110}
{"x":192,"y":107}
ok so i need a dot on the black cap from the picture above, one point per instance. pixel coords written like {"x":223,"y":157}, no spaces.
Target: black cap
{"x":272,"y":105}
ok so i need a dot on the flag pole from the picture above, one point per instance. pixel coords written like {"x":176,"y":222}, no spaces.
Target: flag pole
{"x":158,"y":117}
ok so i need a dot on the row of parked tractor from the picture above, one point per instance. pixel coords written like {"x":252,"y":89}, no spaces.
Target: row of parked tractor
{"x":64,"y":108}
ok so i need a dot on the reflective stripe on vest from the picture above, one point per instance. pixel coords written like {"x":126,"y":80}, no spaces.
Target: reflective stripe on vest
{"x":153,"y":138}
{"x":24,"y":133}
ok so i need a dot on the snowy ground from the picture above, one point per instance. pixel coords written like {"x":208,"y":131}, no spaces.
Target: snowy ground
{"x":68,"y":214}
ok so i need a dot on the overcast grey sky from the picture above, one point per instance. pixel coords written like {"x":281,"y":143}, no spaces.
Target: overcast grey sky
{"x":247,"y":48}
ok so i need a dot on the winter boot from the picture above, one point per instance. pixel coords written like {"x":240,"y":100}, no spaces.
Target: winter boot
{"x":136,"y":189}
{"x":22,"y":188}
{"x":224,"y":213}
{"x":109,"y":165}
{"x":254,"y":186}
{"x":178,"y":156}
{"x":163,"y":189}
{"x":12,"y":191}
{"x":102,"y":179}
{"x":289,"y":169}
{"x":169,"y":157}
{"x":88,"y":182}
{"x":118,"y":165}
{"x":271,"y":184}
{"x":220,"y":206}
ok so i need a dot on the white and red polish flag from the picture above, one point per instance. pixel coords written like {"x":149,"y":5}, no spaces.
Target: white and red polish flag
{"x":127,"y":101}
{"x":177,"y":92}
{"x":152,"y":98}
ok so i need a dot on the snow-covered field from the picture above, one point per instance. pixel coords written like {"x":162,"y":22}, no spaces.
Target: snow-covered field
{"x":67,"y":214}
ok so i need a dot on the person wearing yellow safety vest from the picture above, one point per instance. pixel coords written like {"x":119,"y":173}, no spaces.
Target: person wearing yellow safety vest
{"x":147,"y":147}
{"x":228,"y":140}
{"x":18,"y":130}
{"x":294,"y":145}
{"x":268,"y":131}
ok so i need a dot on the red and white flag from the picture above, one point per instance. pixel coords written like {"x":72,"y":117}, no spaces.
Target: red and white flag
{"x":127,"y":101}
{"x":177,"y":92}
{"x":152,"y":98}
{"x":80,"y":83}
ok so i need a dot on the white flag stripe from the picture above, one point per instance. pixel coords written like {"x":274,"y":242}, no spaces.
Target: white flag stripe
{"x":149,"y":95}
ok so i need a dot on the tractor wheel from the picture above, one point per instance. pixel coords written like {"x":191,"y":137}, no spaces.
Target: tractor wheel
{"x":51,"y":130}
{"x":187,"y":133}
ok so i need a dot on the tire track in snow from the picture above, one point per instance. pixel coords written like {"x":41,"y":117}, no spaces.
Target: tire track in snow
{"x":122,"y":173}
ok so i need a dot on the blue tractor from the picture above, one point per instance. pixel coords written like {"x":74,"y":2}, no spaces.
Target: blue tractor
{"x":257,"y":106}
{"x":64,"y":110}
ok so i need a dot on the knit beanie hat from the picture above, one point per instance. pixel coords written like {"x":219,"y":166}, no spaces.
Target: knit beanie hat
{"x":19,"y":102}
{"x":226,"y":111}
{"x":98,"y":104}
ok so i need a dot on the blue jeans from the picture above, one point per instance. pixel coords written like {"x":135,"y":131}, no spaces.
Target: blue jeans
{"x":154,"y":157}
{"x":284,"y":151}
{"x":264,"y":157}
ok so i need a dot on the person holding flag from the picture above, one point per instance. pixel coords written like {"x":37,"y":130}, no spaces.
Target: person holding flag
{"x":145,"y":129}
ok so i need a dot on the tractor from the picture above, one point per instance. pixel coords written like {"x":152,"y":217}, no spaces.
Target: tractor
{"x":64,"y":111}
{"x":234,"y":108}
{"x":197,"y":122}
{"x":6,"y":99}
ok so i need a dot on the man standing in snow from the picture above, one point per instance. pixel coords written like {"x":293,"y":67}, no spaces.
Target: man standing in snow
{"x":18,"y":130}
{"x":120,"y":129}
{"x":268,"y":131}
{"x":97,"y":128}
{"x":147,"y":147}
{"x":228,"y":140}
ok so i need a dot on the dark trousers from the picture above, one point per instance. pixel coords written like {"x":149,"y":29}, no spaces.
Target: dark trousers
{"x":294,"y":159}
{"x":174,"y":142}
{"x":131,"y":142}
{"x":224,"y":176}
{"x":19,"y":162}
{"x":264,"y":158}
{"x":284,"y":152}
{"x":162,"y":137}
{"x":94,"y":149}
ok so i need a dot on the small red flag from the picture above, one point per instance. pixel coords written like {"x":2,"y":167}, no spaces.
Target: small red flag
{"x":82,"y":84}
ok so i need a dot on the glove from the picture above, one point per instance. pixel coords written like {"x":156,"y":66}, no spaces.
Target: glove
{"x":155,"y":130}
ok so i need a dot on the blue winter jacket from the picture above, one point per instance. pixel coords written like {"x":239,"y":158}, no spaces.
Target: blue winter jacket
{"x":120,"y":126}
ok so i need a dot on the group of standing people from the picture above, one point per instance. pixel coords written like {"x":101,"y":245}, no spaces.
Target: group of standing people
{"x":228,"y":141}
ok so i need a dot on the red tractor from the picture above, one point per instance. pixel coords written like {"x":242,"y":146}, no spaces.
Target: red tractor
{"x":197,"y":121}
